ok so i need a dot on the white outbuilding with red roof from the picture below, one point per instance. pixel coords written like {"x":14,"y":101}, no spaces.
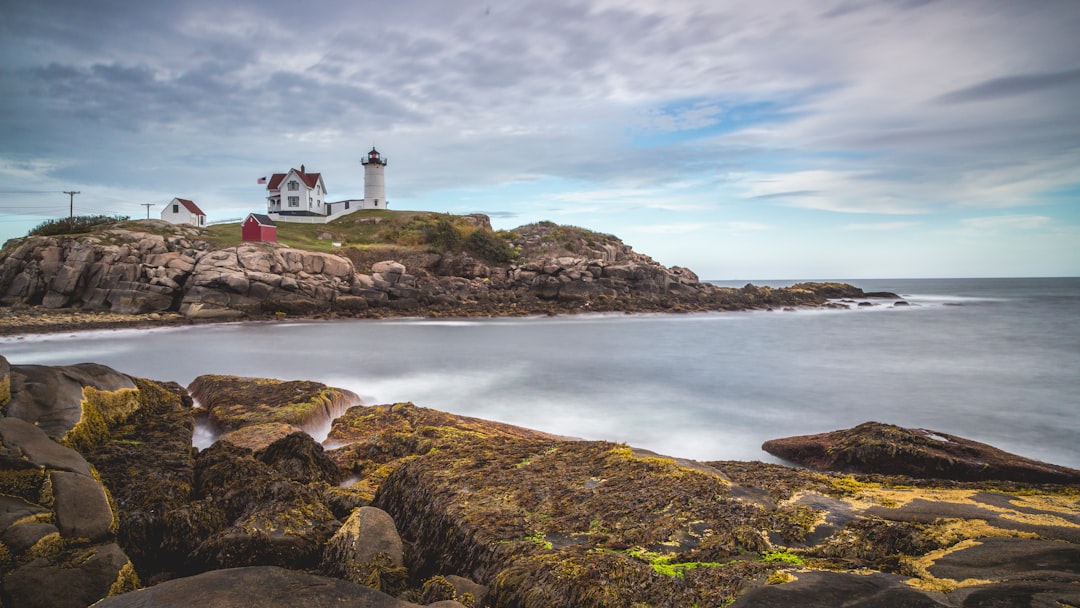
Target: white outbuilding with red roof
{"x":183,"y":211}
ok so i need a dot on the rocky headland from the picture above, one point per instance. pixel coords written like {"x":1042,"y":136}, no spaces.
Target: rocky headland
{"x":151,"y":272}
{"x":104,"y":502}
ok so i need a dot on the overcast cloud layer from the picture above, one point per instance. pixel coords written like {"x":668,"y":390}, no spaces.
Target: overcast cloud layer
{"x":780,"y":139}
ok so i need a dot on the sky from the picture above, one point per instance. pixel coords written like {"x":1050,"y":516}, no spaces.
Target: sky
{"x":745,"y":140}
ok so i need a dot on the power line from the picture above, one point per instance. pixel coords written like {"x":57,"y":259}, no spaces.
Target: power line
{"x":30,"y":191}
{"x":148,"y":206}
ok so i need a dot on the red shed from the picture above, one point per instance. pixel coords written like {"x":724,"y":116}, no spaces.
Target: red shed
{"x":259,"y":227}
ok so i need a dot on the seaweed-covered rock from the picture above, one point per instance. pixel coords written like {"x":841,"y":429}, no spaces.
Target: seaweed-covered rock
{"x":233,"y":402}
{"x":75,"y":404}
{"x":380,"y":437}
{"x":351,"y":553}
{"x":831,"y":589}
{"x":255,"y":586}
{"x":56,"y":525}
{"x":873,"y":447}
{"x":80,"y":505}
{"x":246,"y":512}
{"x":149,"y":465}
{"x":569,"y":523}
{"x":258,"y":436}
{"x":74,"y":580}
{"x":298,"y":457}
{"x":5,"y":382}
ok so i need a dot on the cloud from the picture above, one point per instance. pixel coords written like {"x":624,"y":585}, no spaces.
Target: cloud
{"x":744,"y":227}
{"x":500,"y":214}
{"x":1007,"y":86}
{"x":679,"y":228}
{"x":1011,"y":222}
{"x":881,"y":226}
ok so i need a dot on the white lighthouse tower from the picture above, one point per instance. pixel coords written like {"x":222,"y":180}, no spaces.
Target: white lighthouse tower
{"x":374,"y":180}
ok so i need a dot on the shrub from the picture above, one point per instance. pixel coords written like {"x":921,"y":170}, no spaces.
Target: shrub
{"x":489,"y":246}
{"x":442,"y":235}
{"x":79,"y":224}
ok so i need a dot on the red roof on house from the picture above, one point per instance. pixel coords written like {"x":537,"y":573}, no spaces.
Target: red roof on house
{"x":308,"y":178}
{"x":190,"y":206}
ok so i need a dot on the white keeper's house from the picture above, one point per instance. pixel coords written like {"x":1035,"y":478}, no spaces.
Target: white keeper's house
{"x":300,"y":197}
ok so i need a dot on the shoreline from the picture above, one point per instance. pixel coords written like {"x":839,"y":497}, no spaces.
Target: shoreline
{"x":35,"y":320}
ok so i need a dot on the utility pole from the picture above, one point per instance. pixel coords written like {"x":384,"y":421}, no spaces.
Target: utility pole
{"x":147,"y":205}
{"x":71,"y":201}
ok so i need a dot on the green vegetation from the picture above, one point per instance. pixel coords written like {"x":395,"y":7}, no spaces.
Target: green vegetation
{"x":80,"y":224}
{"x":571,"y":239}
{"x":785,"y":557}
{"x":379,"y":229}
{"x":538,"y":538}
{"x":662,"y":564}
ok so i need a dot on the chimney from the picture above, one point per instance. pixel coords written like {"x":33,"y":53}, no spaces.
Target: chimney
{"x":302,"y":169}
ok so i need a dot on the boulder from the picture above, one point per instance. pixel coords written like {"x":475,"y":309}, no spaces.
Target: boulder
{"x":79,"y":503}
{"x":831,"y":589}
{"x":255,"y":586}
{"x":873,"y":447}
{"x":87,"y":576}
{"x":26,"y":442}
{"x":464,"y":586}
{"x":233,"y":402}
{"x":81,"y":506}
{"x":72,"y":402}
{"x":300,"y":458}
{"x":388,"y":268}
{"x":352,"y":552}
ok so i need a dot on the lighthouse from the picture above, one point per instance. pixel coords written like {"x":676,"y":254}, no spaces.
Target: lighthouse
{"x":374,"y":180}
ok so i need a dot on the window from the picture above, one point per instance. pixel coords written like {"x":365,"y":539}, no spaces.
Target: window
{"x":376,"y":202}
{"x":294,"y":185}
{"x":176,"y":208}
{"x":294,"y":201}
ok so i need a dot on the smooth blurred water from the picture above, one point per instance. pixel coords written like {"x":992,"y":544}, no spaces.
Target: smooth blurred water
{"x":995,"y":360}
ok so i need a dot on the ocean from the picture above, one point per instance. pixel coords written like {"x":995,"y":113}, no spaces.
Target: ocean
{"x":994,"y":360}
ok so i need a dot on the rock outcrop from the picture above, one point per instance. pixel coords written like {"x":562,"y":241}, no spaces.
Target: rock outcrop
{"x":873,"y":447}
{"x":164,"y":269}
{"x":264,"y":279}
{"x":118,"y":270}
